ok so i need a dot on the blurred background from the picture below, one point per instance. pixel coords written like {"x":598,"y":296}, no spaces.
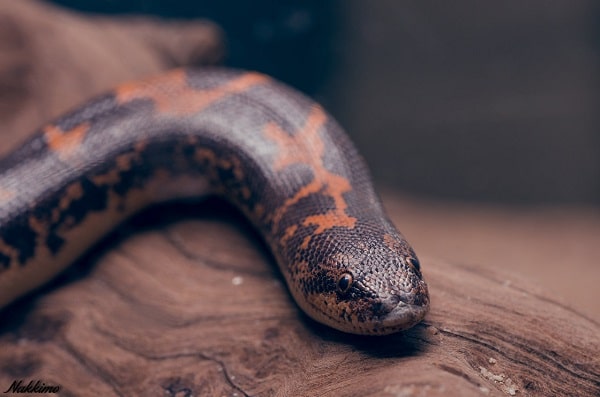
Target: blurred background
{"x":479,"y":120}
{"x":489,"y":102}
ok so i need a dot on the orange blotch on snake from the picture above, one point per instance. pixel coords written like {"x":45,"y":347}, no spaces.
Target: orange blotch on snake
{"x":8,"y":250}
{"x":65,"y":143}
{"x":307,"y":147}
{"x":172,"y":95}
{"x":6,"y":195}
{"x":390,"y":242}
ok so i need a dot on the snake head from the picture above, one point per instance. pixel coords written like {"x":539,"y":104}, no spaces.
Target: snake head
{"x":371,"y":288}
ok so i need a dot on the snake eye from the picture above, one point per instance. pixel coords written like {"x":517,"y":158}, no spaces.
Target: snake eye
{"x":345,"y":282}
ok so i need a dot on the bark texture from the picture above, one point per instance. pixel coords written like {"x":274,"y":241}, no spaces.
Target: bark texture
{"x":185,"y":300}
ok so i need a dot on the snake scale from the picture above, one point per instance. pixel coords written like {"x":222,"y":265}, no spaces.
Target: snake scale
{"x":273,"y":153}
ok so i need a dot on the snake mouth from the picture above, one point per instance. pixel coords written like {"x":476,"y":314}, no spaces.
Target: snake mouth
{"x":401,"y":317}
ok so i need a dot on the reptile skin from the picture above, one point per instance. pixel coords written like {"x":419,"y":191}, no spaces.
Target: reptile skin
{"x":272,"y":152}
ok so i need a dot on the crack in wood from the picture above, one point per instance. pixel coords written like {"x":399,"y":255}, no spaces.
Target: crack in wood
{"x":207,"y":261}
{"x":459,"y":373}
{"x":161,"y":357}
{"x":543,"y":358}
{"x":94,"y":370}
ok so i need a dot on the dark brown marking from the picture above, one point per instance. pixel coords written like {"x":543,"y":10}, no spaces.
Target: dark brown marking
{"x":72,"y":192}
{"x":123,"y":162}
{"x":231,"y":164}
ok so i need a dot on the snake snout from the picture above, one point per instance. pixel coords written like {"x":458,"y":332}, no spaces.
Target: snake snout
{"x":385,"y":305}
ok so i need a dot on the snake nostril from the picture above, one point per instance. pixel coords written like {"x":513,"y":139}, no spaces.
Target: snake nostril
{"x":379,"y":308}
{"x":385,"y":306}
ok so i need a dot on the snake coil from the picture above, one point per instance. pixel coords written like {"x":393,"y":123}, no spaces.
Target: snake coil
{"x":269,"y":150}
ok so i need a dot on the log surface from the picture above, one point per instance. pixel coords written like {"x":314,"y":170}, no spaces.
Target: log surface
{"x":185,"y":300}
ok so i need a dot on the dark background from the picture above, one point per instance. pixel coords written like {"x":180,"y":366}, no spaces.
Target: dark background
{"x":494,"y":101}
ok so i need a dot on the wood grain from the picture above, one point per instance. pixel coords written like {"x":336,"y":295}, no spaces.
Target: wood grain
{"x":185,"y":300}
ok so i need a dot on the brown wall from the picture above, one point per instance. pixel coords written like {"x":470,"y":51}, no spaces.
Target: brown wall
{"x":483,"y":101}
{"x":493,"y":101}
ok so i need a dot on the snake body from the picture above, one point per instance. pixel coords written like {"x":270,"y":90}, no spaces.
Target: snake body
{"x":269,"y":150}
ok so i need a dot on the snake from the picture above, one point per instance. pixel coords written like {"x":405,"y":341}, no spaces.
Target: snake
{"x":272,"y":152}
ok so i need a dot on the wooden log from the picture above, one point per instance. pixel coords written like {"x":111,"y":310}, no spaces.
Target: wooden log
{"x":53,"y":59}
{"x":185,"y":300}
